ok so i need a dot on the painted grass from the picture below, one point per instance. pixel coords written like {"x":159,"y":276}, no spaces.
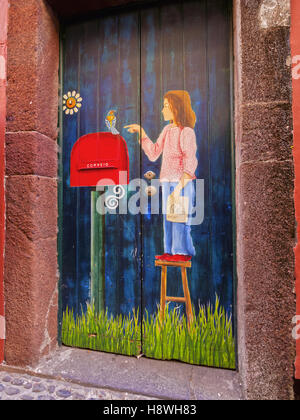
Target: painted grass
{"x":208,"y":340}
{"x":97,"y":331}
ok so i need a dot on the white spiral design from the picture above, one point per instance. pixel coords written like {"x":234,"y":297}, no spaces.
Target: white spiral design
{"x":112,"y":201}
{"x":119,"y":191}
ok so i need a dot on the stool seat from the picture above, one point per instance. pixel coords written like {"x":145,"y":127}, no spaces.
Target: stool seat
{"x":162,"y":263}
{"x":163,"y":291}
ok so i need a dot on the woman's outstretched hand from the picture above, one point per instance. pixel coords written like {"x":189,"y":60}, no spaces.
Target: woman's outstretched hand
{"x":135,"y":128}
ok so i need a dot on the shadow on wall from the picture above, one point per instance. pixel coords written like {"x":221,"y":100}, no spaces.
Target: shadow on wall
{"x":297,"y":389}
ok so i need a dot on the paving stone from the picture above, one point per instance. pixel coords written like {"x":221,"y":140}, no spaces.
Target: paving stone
{"x":17,"y":381}
{"x":63,"y":393}
{"x":26,"y":397}
{"x":12,"y":391}
{"x":38,"y":388}
{"x":51,"y":389}
{"x":17,"y":386}
{"x":103,"y":395}
{"x":77,"y":396}
{"x":45,"y":398}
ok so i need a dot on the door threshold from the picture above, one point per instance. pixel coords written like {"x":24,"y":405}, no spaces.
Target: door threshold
{"x":168,"y":380}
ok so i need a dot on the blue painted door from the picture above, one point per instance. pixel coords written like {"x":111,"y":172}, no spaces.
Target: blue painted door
{"x":111,"y":283}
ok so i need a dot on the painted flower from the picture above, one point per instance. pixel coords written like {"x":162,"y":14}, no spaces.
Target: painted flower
{"x":72,"y":102}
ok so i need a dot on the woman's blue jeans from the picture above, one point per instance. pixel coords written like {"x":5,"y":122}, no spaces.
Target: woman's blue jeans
{"x":177,"y":236}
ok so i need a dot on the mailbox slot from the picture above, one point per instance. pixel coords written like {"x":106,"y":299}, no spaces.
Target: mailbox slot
{"x":97,"y":165}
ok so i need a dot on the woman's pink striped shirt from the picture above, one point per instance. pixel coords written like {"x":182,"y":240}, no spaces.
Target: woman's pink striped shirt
{"x":178,"y":148}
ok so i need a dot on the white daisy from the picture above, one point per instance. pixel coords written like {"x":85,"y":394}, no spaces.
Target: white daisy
{"x":72,"y":102}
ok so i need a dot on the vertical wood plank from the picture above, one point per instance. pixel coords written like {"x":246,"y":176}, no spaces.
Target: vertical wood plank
{"x":172,"y":54}
{"x":196,"y":83}
{"x":120,"y":80}
{"x":88,"y":123}
{"x":220,"y":149}
{"x":69,"y":283}
{"x":152,"y":122}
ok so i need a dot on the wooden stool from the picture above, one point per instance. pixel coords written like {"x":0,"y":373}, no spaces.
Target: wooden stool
{"x":163,"y":291}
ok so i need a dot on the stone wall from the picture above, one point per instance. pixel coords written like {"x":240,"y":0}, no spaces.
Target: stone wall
{"x":31,"y":182}
{"x":295,"y":49}
{"x":3,"y":59}
{"x":265,"y":207}
{"x":264,"y":191}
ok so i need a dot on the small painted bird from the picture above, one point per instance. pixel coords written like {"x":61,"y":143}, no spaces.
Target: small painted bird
{"x":110,"y":122}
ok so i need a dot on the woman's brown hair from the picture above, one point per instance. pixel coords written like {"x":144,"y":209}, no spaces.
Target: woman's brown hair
{"x":181,"y":106}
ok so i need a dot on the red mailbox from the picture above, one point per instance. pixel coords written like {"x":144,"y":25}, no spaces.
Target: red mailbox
{"x":99,"y":159}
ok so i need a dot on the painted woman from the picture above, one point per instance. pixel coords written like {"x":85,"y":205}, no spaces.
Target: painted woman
{"x":177,"y":145}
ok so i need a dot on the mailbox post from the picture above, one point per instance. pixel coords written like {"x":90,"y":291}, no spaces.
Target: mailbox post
{"x":98,"y":159}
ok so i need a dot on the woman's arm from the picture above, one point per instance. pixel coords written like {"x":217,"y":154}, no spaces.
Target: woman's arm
{"x":185,"y":179}
{"x":188,"y":146}
{"x":135,"y":128}
{"x":152,"y":150}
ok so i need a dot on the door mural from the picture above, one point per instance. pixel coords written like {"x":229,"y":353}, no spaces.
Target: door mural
{"x":146,"y":238}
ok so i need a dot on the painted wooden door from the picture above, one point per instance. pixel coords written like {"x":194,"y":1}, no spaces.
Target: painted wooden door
{"x":113,"y":285}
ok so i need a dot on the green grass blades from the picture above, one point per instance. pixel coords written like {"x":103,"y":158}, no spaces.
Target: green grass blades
{"x":97,"y":331}
{"x":208,"y":340}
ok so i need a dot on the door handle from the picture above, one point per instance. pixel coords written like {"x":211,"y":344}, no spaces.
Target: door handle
{"x":150,"y":175}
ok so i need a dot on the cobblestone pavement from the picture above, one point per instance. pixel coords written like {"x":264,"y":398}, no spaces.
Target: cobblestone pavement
{"x":18,"y":386}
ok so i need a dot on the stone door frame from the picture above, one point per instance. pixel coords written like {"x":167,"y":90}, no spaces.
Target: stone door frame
{"x":264,"y":191}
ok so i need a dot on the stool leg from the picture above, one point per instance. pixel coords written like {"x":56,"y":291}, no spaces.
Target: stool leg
{"x":187,"y":296}
{"x":163,"y":292}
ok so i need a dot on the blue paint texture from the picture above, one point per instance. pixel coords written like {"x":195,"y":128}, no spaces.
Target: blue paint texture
{"x":115,"y":66}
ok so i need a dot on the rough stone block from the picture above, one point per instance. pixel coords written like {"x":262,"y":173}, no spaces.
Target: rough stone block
{"x":32,"y":205}
{"x":30,"y":268}
{"x":30,"y":288}
{"x":30,"y":153}
{"x":266,"y":278}
{"x":265,"y":73}
{"x":266,"y":132}
{"x":33,"y":58}
{"x":274,"y":13}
